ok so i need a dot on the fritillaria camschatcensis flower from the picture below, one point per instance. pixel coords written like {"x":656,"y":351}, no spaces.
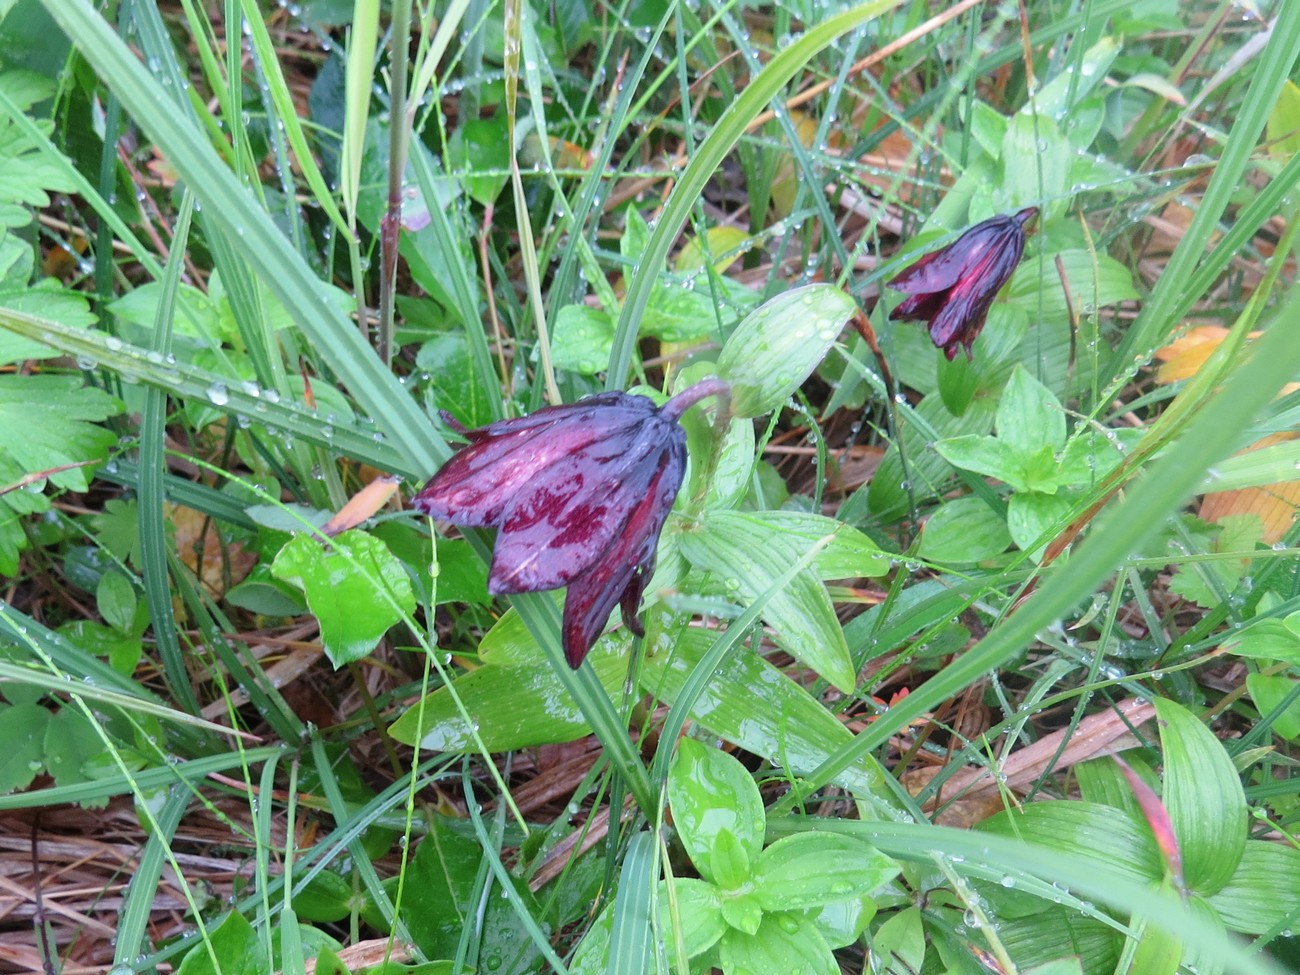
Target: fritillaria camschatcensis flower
{"x":953,"y":287}
{"x":578,"y":494}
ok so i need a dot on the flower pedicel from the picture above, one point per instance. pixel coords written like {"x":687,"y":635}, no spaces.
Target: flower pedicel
{"x":579,"y":494}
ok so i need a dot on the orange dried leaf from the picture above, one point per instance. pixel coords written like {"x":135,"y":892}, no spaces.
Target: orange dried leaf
{"x":362,"y":505}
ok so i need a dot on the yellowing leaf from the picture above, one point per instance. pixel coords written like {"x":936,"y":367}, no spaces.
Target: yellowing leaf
{"x":725,"y":245}
{"x":1283,"y":129}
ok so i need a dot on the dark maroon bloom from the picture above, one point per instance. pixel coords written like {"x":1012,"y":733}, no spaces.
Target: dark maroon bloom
{"x":579,"y":494}
{"x":953,"y":287}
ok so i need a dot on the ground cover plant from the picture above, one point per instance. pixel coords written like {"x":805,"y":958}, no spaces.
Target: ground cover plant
{"x":649,"y":487}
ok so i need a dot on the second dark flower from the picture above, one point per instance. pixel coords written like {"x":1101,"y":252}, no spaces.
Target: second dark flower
{"x":953,"y":287}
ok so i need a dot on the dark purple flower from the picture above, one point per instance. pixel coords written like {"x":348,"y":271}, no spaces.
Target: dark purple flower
{"x":953,"y":287}
{"x":579,"y":494}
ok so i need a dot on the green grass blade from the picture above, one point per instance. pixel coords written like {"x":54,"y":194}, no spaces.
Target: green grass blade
{"x":1119,"y":533}
{"x":631,"y":936}
{"x":149,"y":508}
{"x":1162,"y":310}
{"x":708,"y":157}
{"x":137,"y":904}
{"x":236,"y":210}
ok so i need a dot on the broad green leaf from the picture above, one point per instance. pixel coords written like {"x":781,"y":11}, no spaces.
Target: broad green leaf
{"x":813,"y":869}
{"x":327,"y":897}
{"x":990,"y":456}
{"x":902,"y":938}
{"x":698,"y":917}
{"x":453,"y":380}
{"x":1036,"y":162}
{"x":479,"y":149}
{"x":742,"y":914}
{"x":1283,"y":130}
{"x":48,"y":302}
{"x":759,"y":708}
{"x":849,"y":553}
{"x":356,"y":588}
{"x":1095,"y":281}
{"x":1268,"y":691}
{"x":964,"y":530}
{"x":1050,"y":935}
{"x":236,"y":947}
{"x":1204,"y":798}
{"x":783,"y":944}
{"x":1085,"y":830}
{"x":1073,"y":84}
{"x":747,"y":555}
{"x":709,"y":792}
{"x":116,"y":601}
{"x":842,"y":922}
{"x":581,"y":338}
{"x":1029,"y":417}
{"x":22,"y":729}
{"x":777,"y":347}
{"x":46,"y":422}
{"x":1264,"y":892}
{"x":512,"y":706}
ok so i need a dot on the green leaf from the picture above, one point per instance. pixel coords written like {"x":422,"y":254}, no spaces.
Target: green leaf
{"x":1075,"y":82}
{"x":1264,"y":892}
{"x":708,"y":792}
{"x":1036,"y":162}
{"x":1029,"y":416}
{"x":783,"y":943}
{"x":46,"y":422}
{"x":729,"y":861}
{"x":233,"y":945}
{"x":814,"y":869}
{"x":453,"y":380}
{"x":777,"y":346}
{"x":1268,"y":691}
{"x":902,"y":938}
{"x":698,"y":918}
{"x":22,"y":729}
{"x":1032,"y":513}
{"x":481,"y":147}
{"x":747,"y":555}
{"x":116,"y":601}
{"x":581,"y":338}
{"x":1085,"y":830}
{"x":1204,"y":798}
{"x":849,"y":553}
{"x":1095,"y":281}
{"x":356,"y":588}
{"x":512,"y":706}
{"x":758,"y":707}
{"x":70,"y":741}
{"x":990,"y":456}
{"x":742,"y":914}
{"x":963,"y":530}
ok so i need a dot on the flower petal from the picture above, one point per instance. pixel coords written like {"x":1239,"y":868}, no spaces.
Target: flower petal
{"x":475,"y":486}
{"x":622,"y":572}
{"x":573,"y":513}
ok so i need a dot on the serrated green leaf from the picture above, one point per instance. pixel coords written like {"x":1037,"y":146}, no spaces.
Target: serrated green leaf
{"x":22,"y":729}
{"x":46,"y":422}
{"x":709,"y":791}
{"x":779,"y":344}
{"x":813,"y":869}
{"x":356,"y":588}
{"x":1204,"y":798}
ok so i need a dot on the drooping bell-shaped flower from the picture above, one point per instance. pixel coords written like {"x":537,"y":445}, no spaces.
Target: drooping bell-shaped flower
{"x":953,"y":287}
{"x":579,"y":494}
